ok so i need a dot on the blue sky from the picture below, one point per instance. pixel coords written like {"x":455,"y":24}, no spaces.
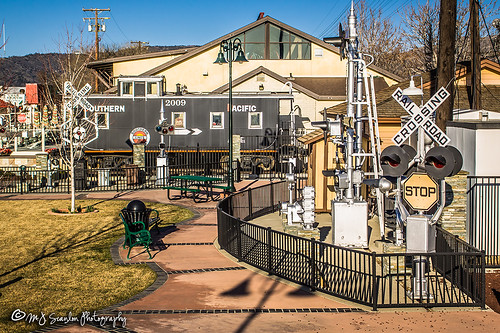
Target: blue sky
{"x":39,"y":26}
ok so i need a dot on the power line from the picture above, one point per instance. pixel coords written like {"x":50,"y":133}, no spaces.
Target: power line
{"x":326,"y":16}
{"x":488,"y":31}
{"x":397,"y":9}
{"x":118,"y":26}
{"x":334,"y":22}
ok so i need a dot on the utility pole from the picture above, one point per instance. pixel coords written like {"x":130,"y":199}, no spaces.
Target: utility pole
{"x":446,"y":59}
{"x":475,"y":56}
{"x":139,"y":43}
{"x":96,"y":27}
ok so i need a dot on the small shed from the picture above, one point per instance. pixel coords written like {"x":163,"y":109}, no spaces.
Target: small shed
{"x":321,"y":157}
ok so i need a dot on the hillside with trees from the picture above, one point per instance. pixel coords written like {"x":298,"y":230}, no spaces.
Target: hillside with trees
{"x":16,"y":71}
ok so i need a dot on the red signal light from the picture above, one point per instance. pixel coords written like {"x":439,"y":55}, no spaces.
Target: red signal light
{"x":170,"y":128}
{"x":2,"y":129}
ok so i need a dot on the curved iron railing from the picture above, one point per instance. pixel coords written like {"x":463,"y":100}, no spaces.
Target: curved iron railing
{"x":453,"y":278}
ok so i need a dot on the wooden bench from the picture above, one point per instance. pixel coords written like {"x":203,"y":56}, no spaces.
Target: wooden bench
{"x":133,"y":238}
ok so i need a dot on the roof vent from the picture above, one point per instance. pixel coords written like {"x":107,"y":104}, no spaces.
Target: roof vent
{"x":261,"y":16}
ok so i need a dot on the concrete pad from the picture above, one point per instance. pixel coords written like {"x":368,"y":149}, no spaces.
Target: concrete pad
{"x":228,"y":290}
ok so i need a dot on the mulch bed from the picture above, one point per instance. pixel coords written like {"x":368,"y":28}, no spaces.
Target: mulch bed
{"x":493,"y":291}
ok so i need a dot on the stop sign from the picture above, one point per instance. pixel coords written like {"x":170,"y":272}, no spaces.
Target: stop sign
{"x":21,"y":117}
{"x":420,"y":191}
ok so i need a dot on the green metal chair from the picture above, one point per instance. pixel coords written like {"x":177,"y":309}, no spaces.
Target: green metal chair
{"x":133,"y":238}
{"x":150,"y":218}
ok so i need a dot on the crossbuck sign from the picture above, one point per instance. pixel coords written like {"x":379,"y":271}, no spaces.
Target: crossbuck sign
{"x":78,"y":98}
{"x":421,"y":117}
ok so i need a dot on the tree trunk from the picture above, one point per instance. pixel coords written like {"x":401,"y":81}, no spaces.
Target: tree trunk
{"x":475,"y":57}
{"x":72,"y":173}
{"x":446,"y":59}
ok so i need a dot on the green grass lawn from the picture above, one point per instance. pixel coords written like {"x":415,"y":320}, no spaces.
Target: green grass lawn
{"x":62,"y":264}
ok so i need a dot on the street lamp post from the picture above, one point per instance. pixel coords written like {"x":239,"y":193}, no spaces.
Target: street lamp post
{"x":228,"y":47}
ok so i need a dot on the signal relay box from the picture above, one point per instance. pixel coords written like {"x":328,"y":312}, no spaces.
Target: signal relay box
{"x":350,"y":223}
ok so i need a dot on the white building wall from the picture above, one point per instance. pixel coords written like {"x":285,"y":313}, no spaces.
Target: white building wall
{"x":464,"y":140}
{"x":487,"y":152}
{"x":479,"y":147}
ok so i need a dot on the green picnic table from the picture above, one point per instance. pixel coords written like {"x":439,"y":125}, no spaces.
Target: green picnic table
{"x":197,"y":186}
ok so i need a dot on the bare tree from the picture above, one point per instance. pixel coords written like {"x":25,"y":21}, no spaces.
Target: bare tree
{"x":62,"y":79}
{"x":380,"y":38}
{"x":115,"y":50}
{"x":421,"y":27}
{"x":421,"y":23}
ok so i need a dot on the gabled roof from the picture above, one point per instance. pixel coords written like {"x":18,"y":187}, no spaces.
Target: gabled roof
{"x":151,"y":55}
{"x":327,"y":86}
{"x":387,"y":107}
{"x":319,"y":88}
{"x":312,"y":136}
{"x":267,"y":19}
{"x":296,"y":86}
{"x":485,"y":64}
{"x":490,"y":98}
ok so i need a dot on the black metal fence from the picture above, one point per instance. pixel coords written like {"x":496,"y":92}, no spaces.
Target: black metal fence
{"x":483,"y":216}
{"x":24,"y":180}
{"x":128,"y":177}
{"x":449,"y":277}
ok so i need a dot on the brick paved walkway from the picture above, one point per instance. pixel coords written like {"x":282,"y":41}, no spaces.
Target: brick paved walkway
{"x":200,"y":288}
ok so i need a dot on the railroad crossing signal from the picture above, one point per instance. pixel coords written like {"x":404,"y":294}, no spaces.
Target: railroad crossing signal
{"x":87,"y":130}
{"x":421,"y":117}
{"x":78,"y":97}
{"x":79,"y":133}
{"x":165,"y":128}
{"x":420,"y":191}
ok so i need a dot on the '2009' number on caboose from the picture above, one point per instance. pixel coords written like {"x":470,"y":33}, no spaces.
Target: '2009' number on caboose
{"x":175,"y":102}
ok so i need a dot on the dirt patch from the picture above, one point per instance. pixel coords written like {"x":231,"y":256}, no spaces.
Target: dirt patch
{"x":67,"y":213}
{"x":493,"y":291}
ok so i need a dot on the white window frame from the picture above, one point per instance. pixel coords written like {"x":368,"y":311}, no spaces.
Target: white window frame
{"x":121,"y":88}
{"x":183,"y":119}
{"x":157,"y":88}
{"x":106,"y":114}
{"x":250,"y":126}
{"x":212,"y":126}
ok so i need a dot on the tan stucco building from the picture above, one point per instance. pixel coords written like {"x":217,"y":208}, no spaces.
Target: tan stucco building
{"x":277,"y":54}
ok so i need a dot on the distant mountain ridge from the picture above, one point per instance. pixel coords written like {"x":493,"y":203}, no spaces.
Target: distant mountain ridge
{"x":16,"y":71}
